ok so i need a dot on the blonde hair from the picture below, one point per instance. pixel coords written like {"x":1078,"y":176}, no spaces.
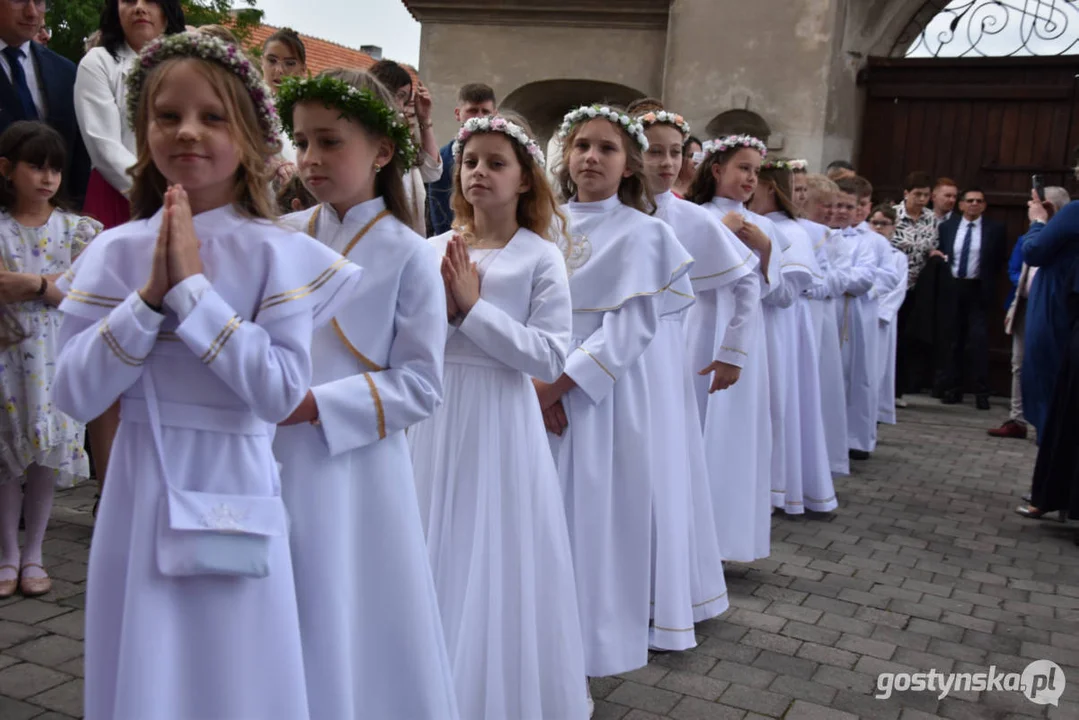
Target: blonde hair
{"x":220,"y":32}
{"x":389,"y":182}
{"x":537,"y":208}
{"x":818,"y":185}
{"x":780,"y":180}
{"x":632,"y":191}
{"x":251,"y":193}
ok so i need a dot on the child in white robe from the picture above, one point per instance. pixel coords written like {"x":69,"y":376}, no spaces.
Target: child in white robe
{"x":628,"y":276}
{"x":487,"y":483}
{"x":738,"y":421}
{"x":688,"y":583}
{"x":801,"y":452}
{"x":882,"y":221}
{"x":190,"y":604}
{"x":818,"y":207}
{"x":369,"y":621}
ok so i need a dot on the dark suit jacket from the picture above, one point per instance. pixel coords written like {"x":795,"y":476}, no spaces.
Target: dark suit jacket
{"x":56,"y":75}
{"x":440,"y":192}
{"x":993,"y":254}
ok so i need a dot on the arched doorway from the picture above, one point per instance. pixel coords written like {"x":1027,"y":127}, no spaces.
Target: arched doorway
{"x":739,"y":122}
{"x":545,"y":102}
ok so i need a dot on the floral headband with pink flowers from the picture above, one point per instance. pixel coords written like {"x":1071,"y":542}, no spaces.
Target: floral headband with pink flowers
{"x":500,"y":125}
{"x":730,"y":142}
{"x":205,"y":47}
{"x":665,"y":118}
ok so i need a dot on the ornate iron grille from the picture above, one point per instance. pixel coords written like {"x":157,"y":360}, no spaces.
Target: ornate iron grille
{"x":992,"y":28}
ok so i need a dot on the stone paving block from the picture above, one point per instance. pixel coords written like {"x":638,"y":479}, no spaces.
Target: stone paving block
{"x":924,"y":661}
{"x":26,"y":680}
{"x":720,"y":629}
{"x":802,"y":710}
{"x":786,"y":665}
{"x":841,"y":679}
{"x":724,"y":650}
{"x":609,"y":711}
{"x":865,"y":646}
{"x":802,"y":689}
{"x":759,"y":701}
{"x":799,"y":613}
{"x":50,"y":650}
{"x":866,"y":706}
{"x":935,"y":630}
{"x":901,"y":638}
{"x":755,"y":620}
{"x":12,"y":709}
{"x":644,"y":697}
{"x":843,"y":624}
{"x":912,"y":714}
{"x":827,"y":655}
{"x":917,"y":610}
{"x":12,"y":633}
{"x":742,"y":674}
{"x":31,"y":611}
{"x":66,"y":698}
{"x":647,"y":675}
{"x":71,"y":624}
{"x":685,"y":683}
{"x":696,"y":663}
{"x":691,"y":708}
{"x":601,"y":687}
{"x":73,"y":667}
{"x":771,"y":641}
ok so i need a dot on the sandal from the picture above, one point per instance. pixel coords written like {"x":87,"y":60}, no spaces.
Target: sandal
{"x":8,"y":587}
{"x":33,"y":587}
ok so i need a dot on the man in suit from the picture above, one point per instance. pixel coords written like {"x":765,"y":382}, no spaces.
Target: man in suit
{"x":974,"y":249}
{"x":473,"y":100}
{"x":38,"y":84}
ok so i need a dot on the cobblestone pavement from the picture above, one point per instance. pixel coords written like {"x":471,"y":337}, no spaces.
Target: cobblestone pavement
{"x":924,"y":566}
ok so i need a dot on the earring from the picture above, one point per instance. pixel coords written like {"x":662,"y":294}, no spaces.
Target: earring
{"x":378,"y":168}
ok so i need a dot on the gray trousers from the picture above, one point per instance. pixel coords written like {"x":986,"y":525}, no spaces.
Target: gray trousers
{"x":1018,"y":327}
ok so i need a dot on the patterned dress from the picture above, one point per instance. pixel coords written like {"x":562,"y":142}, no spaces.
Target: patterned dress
{"x":31,"y":429}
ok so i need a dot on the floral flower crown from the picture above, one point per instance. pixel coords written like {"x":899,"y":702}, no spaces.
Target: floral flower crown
{"x":730,"y":142}
{"x":360,"y":105}
{"x":501,"y":125}
{"x":205,"y":47}
{"x":590,"y":112}
{"x":780,"y":164}
{"x":665,"y":118}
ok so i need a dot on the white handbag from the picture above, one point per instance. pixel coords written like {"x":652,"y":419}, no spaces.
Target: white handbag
{"x":201,"y":533}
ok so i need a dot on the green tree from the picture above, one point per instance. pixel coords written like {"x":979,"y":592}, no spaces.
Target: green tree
{"x":72,"y":21}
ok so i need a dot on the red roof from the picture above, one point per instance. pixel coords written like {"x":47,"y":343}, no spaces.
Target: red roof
{"x":321,"y":54}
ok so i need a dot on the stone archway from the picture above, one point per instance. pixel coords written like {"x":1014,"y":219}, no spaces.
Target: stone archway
{"x":545,"y":102}
{"x":739,"y":122}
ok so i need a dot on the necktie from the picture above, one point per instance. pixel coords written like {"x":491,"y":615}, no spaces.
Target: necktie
{"x":964,"y":257}
{"x":14,"y":57}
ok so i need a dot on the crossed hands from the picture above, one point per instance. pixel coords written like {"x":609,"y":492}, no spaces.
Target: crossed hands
{"x":550,"y":400}
{"x":461,"y":278}
{"x":176,"y":255}
{"x":746,"y":231}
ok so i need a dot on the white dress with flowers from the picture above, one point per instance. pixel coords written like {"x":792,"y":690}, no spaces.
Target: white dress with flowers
{"x":31,"y":429}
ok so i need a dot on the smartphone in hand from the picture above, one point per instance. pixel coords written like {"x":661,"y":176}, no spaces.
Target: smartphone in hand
{"x":1038,"y":183}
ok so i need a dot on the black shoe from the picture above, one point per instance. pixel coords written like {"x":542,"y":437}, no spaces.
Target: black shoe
{"x":951,"y":398}
{"x":858,"y":454}
{"x":981,"y":402}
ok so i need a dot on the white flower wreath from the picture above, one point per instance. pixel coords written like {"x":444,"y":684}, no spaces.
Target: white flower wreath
{"x":665,"y":118}
{"x":780,"y":164}
{"x":591,"y":112}
{"x":496,"y":124}
{"x":730,"y":142}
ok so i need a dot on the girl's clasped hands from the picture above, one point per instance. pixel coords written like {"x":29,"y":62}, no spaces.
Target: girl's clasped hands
{"x":176,"y":255}
{"x":461,"y":277}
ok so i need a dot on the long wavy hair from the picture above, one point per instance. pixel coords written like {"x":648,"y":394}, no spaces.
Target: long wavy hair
{"x":632,"y":191}
{"x":537,"y":209}
{"x":251,"y":189}
{"x":112,"y":32}
{"x":781,"y":182}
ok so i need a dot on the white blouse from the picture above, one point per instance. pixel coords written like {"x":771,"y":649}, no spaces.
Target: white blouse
{"x":101,"y":109}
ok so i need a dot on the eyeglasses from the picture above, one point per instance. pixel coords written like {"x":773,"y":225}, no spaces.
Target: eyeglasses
{"x":39,"y":4}
{"x":975,"y":201}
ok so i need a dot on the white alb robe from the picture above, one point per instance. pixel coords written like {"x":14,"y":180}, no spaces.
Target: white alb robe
{"x":822,"y":301}
{"x":737,"y":422}
{"x":228,"y":359}
{"x":628,"y":282}
{"x":369,"y":619}
{"x":717,"y":265}
{"x":807,"y":484}
{"x":490,"y":498}
{"x":888,"y":312}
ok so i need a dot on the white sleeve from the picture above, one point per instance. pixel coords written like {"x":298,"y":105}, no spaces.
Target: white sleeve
{"x":608,"y":352}
{"x":267,"y":365}
{"x":538,"y":346}
{"x":734,"y":349}
{"x":361,"y":409}
{"x":431,"y":168}
{"x":101,"y":120}
{"x":101,"y":359}
{"x":784,"y":292}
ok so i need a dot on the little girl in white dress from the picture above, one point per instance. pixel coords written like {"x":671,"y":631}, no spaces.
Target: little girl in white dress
{"x":40,"y":447}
